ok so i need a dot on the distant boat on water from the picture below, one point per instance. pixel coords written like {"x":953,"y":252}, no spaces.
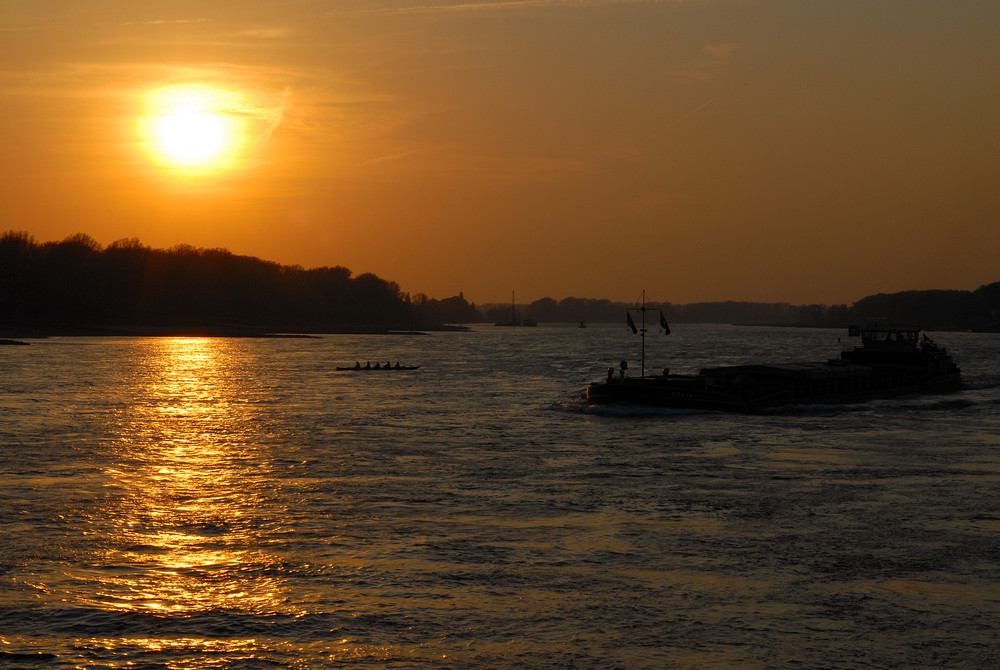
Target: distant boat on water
{"x":367,"y":367}
{"x":891,"y":361}
{"x":515,"y":317}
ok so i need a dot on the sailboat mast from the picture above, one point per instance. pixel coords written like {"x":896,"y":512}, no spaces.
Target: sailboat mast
{"x":642,"y":333}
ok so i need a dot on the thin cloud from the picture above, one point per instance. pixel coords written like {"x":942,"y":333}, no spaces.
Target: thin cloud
{"x":163,"y":22}
{"x":272,"y":33}
{"x":688,"y":115}
{"x":500,"y":5}
{"x":712,"y":60}
{"x":722,"y":52}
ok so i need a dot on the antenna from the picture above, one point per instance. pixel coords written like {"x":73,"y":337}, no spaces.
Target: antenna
{"x":642,"y":333}
{"x":641,"y":330}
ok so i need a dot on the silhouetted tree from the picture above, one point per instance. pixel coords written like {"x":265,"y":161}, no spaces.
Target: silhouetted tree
{"x":545,"y":309}
{"x":18,"y":260}
{"x":449,"y":310}
{"x":74,"y":283}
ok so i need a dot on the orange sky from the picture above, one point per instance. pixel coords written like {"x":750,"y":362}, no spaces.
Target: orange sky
{"x":768,"y":150}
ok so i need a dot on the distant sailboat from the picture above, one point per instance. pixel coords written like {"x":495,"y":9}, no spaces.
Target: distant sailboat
{"x":515,"y":319}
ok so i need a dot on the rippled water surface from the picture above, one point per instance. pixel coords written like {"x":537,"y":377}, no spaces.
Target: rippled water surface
{"x":239,"y":503}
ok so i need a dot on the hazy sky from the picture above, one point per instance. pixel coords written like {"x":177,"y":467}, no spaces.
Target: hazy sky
{"x":769,"y":150}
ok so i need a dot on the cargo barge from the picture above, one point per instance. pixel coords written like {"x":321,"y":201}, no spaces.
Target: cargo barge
{"x":890,"y":361}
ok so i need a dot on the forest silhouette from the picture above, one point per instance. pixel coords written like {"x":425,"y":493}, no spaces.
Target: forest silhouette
{"x":76,"y":286}
{"x":977,"y":310}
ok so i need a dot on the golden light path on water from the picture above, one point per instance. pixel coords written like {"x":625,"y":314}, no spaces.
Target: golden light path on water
{"x":186,"y":536}
{"x":196,"y":544}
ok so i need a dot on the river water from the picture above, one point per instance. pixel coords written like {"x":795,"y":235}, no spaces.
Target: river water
{"x":239,"y":503}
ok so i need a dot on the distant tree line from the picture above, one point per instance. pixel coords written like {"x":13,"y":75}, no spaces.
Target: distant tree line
{"x":454,"y":310}
{"x":77,"y":284}
{"x":747,"y":313}
{"x":977,"y":310}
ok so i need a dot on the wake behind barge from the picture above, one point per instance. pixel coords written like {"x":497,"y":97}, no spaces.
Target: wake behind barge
{"x":890,"y":361}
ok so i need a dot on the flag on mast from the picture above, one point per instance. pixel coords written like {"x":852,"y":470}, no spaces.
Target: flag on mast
{"x":631,"y":323}
{"x":663,"y":324}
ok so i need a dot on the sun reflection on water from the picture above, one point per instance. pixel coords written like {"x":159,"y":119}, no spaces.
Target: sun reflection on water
{"x":189,"y":489}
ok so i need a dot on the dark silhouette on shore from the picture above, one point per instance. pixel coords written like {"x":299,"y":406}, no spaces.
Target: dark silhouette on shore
{"x":78,"y":287}
{"x":575,"y":310}
{"x":977,"y":310}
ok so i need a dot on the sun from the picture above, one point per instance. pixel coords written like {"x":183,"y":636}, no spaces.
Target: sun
{"x":193,"y":128}
{"x":192,"y":138}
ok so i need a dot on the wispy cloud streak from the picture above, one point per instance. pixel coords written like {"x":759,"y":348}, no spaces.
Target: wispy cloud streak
{"x":501,"y":5}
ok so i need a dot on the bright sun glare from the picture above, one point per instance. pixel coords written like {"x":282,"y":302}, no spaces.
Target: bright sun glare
{"x":193,"y":128}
